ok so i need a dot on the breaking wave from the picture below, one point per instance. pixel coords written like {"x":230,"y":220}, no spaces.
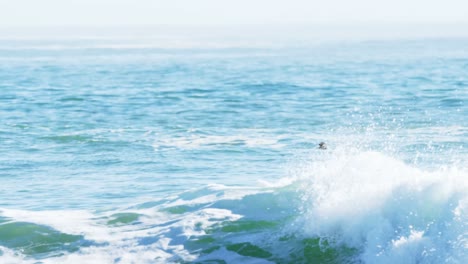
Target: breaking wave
{"x":336,"y":207}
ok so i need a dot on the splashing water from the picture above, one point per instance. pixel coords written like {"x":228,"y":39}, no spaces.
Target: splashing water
{"x":144,"y":155}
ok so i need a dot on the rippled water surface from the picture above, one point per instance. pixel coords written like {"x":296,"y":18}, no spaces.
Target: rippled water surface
{"x":150,"y":155}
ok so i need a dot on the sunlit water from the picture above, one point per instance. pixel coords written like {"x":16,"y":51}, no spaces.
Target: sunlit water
{"x":149,"y":155}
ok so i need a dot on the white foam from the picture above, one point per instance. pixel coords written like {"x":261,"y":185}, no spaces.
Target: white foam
{"x":158,"y":238}
{"x":196,"y":141}
{"x":8,"y":256}
{"x":391,"y":211}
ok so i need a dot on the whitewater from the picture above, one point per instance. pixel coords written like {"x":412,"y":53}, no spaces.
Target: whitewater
{"x":119,"y":153}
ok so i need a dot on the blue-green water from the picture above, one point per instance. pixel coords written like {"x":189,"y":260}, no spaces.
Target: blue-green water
{"x":151,"y":155}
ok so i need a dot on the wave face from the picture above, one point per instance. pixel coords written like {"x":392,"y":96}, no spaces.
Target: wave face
{"x":209,"y":155}
{"x":359,"y":207}
{"x":389,"y":211}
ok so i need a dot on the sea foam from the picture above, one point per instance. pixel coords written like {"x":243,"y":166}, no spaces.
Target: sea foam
{"x":390,"y":211}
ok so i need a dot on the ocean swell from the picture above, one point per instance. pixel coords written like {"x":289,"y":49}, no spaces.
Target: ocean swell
{"x":338,"y":207}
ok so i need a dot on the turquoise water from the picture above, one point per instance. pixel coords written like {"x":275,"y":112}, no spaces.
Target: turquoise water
{"x":159,"y":155}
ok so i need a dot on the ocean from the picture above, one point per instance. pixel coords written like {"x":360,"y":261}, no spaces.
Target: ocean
{"x":129,"y":153}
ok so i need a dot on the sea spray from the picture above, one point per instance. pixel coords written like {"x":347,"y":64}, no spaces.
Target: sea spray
{"x":391,"y":211}
{"x":116,"y":153}
{"x":343,"y":207}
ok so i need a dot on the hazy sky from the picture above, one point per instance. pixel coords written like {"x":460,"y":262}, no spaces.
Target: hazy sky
{"x":223,"y":12}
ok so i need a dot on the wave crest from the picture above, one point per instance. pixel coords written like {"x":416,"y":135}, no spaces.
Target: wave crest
{"x":390,"y":211}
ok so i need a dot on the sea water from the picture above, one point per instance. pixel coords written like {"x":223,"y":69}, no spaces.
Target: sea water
{"x":144,"y":154}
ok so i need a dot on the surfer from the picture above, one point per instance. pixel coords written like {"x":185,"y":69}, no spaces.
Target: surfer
{"x":322,"y":145}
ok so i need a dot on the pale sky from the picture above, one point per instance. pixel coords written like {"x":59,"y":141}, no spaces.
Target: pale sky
{"x":224,"y":12}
